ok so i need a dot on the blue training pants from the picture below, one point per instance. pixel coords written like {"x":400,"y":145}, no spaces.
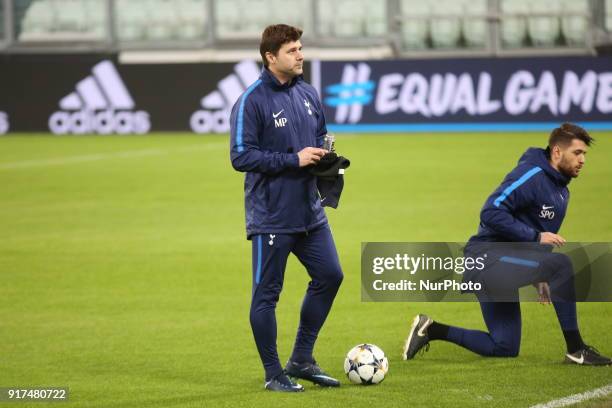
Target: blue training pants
{"x":503,"y":278}
{"x":317,"y":252}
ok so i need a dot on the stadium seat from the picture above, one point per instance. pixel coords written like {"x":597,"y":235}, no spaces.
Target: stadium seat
{"x":2,"y":34}
{"x":132,"y":20}
{"x":609,"y":15}
{"x":39,"y":18}
{"x":70,"y":16}
{"x":446,"y":30}
{"x":575,"y":26}
{"x":325,"y":18}
{"x":475,"y":26}
{"x":544,"y":30}
{"x":352,"y":18}
{"x":415,"y":24}
{"x":192,"y":19}
{"x":227,"y":16}
{"x":20,"y":8}
{"x":514,"y":22}
{"x":62,"y":19}
{"x":256,"y":16}
{"x":96,"y":17}
{"x":245,"y":19}
{"x":349,"y":18}
{"x":163,"y":19}
{"x":300,"y":17}
{"x":375,"y":18}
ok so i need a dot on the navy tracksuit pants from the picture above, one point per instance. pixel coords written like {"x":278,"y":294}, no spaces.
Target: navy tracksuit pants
{"x":317,"y":252}
{"x":509,"y":271}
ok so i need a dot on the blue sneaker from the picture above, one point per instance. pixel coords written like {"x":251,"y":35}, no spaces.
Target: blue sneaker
{"x":311,"y":372}
{"x":282,"y":383}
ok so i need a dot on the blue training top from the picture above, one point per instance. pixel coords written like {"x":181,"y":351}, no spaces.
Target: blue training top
{"x":532,"y":199}
{"x":270,"y":123}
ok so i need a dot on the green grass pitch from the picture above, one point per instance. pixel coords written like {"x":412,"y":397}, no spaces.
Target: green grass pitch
{"x":125,"y":273}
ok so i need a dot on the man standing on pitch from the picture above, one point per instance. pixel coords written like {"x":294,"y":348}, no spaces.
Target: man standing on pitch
{"x":528,"y":207}
{"x":277,"y":130}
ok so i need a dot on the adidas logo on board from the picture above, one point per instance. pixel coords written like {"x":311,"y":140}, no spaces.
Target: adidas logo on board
{"x":100,"y":104}
{"x":218,"y":104}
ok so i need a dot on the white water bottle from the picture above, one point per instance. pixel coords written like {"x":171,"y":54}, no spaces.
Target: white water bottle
{"x":329,"y":142}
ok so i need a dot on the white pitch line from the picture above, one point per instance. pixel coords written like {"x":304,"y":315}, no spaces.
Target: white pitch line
{"x":576,"y":398}
{"x":104,"y":156}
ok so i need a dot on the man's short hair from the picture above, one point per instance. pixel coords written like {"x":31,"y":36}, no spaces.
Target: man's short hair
{"x":273,"y":38}
{"x":564,"y":134}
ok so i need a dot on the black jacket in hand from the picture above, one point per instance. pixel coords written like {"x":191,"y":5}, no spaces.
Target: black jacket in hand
{"x":330,"y":178}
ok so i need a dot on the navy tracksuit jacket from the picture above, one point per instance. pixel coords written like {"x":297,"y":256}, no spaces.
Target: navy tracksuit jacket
{"x":532,"y":199}
{"x":270,"y":123}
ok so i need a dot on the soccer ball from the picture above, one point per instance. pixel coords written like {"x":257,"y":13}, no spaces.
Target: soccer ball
{"x":366,"y":364}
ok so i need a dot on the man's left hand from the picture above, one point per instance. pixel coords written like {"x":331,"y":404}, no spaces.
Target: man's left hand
{"x":543,"y":292}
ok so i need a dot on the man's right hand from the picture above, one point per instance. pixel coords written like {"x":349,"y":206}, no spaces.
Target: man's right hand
{"x":310,"y":155}
{"x":551,"y":239}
